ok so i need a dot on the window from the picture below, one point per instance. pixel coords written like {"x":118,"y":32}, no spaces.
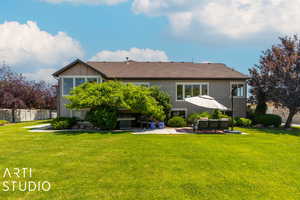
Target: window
{"x":196,"y":90}
{"x":70,"y":82}
{"x":79,"y":81}
{"x":144,"y":84}
{"x":185,"y":90}
{"x":179,"y":92}
{"x":188,"y":91}
{"x":204,"y":88}
{"x":238,"y":89}
{"x":68,"y":85}
{"x":92,"y":80}
{"x":178,"y":112}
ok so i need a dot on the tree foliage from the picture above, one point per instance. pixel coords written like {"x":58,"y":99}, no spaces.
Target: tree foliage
{"x":16,"y":92}
{"x":277,"y":76}
{"x":162,"y":98}
{"x":115,"y":94}
{"x":103,"y":117}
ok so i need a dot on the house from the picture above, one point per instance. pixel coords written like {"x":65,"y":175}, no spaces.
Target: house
{"x":178,"y":79}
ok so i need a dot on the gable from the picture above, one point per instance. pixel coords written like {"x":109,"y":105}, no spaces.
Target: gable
{"x":79,"y":69}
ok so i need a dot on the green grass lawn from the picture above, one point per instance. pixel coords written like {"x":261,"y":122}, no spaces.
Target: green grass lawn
{"x":262,"y":165}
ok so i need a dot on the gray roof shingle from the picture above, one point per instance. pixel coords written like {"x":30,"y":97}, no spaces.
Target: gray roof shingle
{"x":160,"y":70}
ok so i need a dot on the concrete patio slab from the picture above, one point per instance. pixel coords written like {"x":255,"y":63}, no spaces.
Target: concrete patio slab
{"x":166,"y":131}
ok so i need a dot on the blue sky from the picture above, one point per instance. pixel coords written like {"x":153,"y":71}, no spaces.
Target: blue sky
{"x":233,"y":32}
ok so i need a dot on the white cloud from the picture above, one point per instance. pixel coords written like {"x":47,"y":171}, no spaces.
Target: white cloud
{"x":135,"y":54}
{"x":233,"y":18}
{"x":92,"y":2}
{"x":26,"y":45}
{"x":42,"y":75}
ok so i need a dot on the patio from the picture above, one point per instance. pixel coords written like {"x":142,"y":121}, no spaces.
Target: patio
{"x":166,"y":131}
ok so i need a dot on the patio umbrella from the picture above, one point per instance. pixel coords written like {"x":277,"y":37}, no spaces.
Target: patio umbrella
{"x":206,"y":102}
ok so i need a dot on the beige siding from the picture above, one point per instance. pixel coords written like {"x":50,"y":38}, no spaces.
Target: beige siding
{"x":219,"y":89}
{"x":79,"y":70}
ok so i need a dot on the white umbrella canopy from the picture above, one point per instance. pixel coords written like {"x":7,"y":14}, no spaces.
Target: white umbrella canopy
{"x":206,"y":101}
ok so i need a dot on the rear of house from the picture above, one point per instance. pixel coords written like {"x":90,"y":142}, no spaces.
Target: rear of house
{"x":179,"y":79}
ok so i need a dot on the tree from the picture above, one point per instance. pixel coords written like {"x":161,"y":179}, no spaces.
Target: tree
{"x":116,"y":95}
{"x":162,"y":98}
{"x":277,"y":77}
{"x":16,"y":92}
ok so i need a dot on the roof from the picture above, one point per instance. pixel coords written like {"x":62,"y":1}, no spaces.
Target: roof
{"x":161,"y":70}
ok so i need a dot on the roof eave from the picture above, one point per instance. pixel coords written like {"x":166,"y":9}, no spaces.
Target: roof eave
{"x":179,"y":78}
{"x":57,"y":73}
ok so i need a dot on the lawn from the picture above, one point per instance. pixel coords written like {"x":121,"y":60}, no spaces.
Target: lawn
{"x":261,"y":165}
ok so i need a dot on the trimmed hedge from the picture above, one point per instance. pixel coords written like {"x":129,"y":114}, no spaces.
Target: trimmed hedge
{"x":243,"y":122}
{"x":177,"y":122}
{"x":269,"y":120}
{"x":194,"y":116}
{"x":217,"y":114}
{"x":63,"y":123}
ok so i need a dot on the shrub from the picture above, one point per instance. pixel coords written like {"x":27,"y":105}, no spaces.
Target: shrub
{"x":269,"y":120}
{"x":194,"y":116}
{"x":177,"y":122}
{"x":217,"y":114}
{"x":162,"y":98}
{"x":103,"y":117}
{"x":243,"y":122}
{"x":230,"y":121}
{"x":3,"y":122}
{"x":251,"y":115}
{"x":261,"y":108}
{"x":63,"y":123}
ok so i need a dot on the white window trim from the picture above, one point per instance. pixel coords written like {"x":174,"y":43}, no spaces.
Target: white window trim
{"x":191,"y":83}
{"x":180,"y":109}
{"x":240,"y":83}
{"x":79,"y":76}
{"x":138,"y":83}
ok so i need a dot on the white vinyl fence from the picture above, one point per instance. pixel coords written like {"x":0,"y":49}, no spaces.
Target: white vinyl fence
{"x":284,"y":113}
{"x":22,"y":115}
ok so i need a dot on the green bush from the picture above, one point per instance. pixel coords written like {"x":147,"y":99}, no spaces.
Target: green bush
{"x":269,"y":120}
{"x":194,"y":116}
{"x":177,"y":122}
{"x":3,"y":122}
{"x":63,"y":123}
{"x":261,"y":108}
{"x":217,"y":114}
{"x":251,"y":115}
{"x":230,"y":121}
{"x":243,"y":122}
{"x":103,"y":117}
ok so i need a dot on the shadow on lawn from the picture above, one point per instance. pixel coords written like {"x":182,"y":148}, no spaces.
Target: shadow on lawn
{"x":278,"y":131}
{"x":71,"y":133}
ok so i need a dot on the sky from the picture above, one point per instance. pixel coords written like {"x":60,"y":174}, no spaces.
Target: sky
{"x":38,"y":37}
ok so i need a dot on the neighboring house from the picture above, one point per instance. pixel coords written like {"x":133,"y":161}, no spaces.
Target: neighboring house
{"x":178,"y":79}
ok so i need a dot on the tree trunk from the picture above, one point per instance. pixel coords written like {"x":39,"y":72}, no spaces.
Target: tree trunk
{"x":13,"y":115}
{"x":289,"y":120}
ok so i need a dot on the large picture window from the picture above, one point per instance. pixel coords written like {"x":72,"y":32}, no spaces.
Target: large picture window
{"x":239,"y":89}
{"x":68,"y":85}
{"x":70,"y":82}
{"x":185,"y":90}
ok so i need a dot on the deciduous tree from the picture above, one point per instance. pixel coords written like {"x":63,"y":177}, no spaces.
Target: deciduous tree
{"x":277,"y":77}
